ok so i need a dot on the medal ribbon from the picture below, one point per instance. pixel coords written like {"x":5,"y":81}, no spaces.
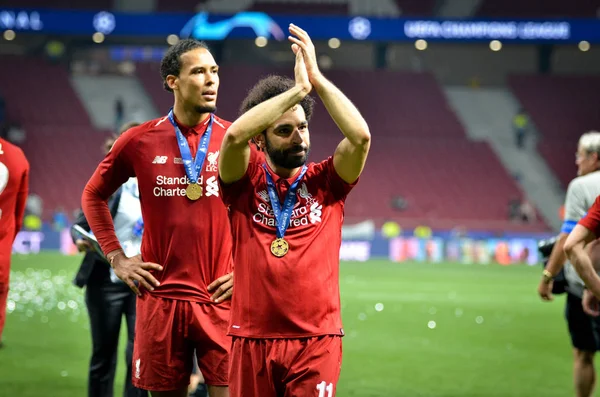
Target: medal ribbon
{"x":283,"y":215}
{"x":193,"y":167}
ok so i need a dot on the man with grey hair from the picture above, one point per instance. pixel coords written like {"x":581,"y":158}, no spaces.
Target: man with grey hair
{"x":584,"y":330}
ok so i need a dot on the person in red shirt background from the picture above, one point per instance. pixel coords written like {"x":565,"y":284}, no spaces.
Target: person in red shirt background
{"x":286,"y":219}
{"x":14,"y":187}
{"x":186,"y":242}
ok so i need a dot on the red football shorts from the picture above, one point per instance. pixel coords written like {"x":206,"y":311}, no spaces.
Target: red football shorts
{"x":3,"y":300}
{"x":308,"y":367}
{"x":167,"y":332}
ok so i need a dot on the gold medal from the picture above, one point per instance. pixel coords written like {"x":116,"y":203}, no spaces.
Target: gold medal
{"x":193,"y":191}
{"x":279,"y":247}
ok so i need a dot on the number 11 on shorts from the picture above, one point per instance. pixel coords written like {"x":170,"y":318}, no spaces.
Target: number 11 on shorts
{"x":324,"y":387}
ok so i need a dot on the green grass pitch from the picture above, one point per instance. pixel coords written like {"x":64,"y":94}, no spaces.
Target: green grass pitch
{"x":412,"y":329}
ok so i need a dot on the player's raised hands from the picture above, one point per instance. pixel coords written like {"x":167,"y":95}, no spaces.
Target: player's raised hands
{"x":300,"y":72}
{"x":135,"y":272}
{"x":302,"y":40}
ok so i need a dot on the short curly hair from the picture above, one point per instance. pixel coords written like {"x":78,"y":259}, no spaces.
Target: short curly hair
{"x":171,"y":62}
{"x":270,"y":87}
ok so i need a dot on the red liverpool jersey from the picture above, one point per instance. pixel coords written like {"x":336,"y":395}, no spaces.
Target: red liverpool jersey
{"x":190,"y":239}
{"x":296,"y":295}
{"x":591,"y":220}
{"x":14,"y":185}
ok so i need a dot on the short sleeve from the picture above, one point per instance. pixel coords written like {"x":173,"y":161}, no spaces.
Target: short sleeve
{"x":575,"y":206}
{"x":591,"y":220}
{"x":339,"y":187}
{"x":230,"y":191}
{"x":117,"y":167}
{"x":112,"y":172}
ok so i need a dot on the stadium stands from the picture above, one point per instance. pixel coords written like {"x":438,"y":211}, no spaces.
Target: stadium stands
{"x":311,"y":7}
{"x":61,"y":145}
{"x":419,"y":152}
{"x":300,"y":8}
{"x":538,"y":8}
{"x":562,"y":108}
{"x":149,"y":75}
{"x":178,"y":6}
{"x":37,"y":99}
{"x":418,"y":8}
{"x":88,"y":4}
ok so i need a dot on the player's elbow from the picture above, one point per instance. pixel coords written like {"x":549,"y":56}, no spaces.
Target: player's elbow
{"x":570,"y":247}
{"x":363,"y":137}
{"x":233,"y":138}
{"x":90,"y":194}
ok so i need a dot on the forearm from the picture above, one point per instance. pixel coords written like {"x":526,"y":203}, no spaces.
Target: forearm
{"x":583,"y":265}
{"x":21,"y":202}
{"x":343,"y":112}
{"x":557,"y":257}
{"x":19,"y":212}
{"x":261,"y":116}
{"x":97,"y":213}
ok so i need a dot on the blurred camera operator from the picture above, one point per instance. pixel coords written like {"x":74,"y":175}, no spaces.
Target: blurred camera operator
{"x":584,"y":329}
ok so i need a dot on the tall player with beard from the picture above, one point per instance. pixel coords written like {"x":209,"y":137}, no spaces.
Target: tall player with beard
{"x":186,"y":242}
{"x":285,"y":320}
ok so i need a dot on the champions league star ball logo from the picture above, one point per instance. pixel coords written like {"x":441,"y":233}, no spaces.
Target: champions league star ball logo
{"x":359,"y":28}
{"x":104,"y":22}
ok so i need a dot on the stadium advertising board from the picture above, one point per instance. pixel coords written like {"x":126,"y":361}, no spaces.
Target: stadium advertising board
{"x":251,"y":24}
{"x":28,"y":242}
{"x":466,"y":250}
{"x":355,"y":251}
{"x":505,"y":251}
{"x":32,"y":242}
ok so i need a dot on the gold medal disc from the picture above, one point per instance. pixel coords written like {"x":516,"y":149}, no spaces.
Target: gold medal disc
{"x":279,"y":247}
{"x":193,"y":191}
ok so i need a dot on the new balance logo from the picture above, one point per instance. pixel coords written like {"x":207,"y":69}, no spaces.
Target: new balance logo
{"x":160,"y":160}
{"x":264,"y":196}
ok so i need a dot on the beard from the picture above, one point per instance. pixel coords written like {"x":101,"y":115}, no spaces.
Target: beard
{"x":286,"y":158}
{"x":201,"y":109}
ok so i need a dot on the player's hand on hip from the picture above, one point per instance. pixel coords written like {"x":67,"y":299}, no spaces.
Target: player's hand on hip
{"x":545,"y":290}
{"x":222,"y":287}
{"x":590,"y":304}
{"x":305,"y":44}
{"x":135,"y":272}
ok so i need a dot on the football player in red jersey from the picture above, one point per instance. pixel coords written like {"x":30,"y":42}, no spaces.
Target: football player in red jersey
{"x":286,"y":219}
{"x":14,"y":186}
{"x":186,"y":243}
